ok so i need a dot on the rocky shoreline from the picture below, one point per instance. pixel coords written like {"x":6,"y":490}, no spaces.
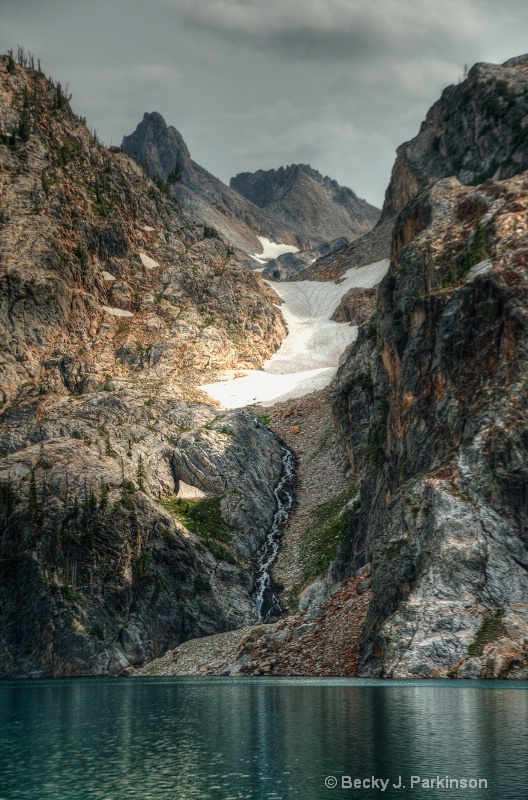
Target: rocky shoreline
{"x":323,"y":642}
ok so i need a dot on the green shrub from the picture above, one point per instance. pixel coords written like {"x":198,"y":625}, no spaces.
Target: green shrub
{"x":69,"y":594}
{"x":144,"y":563}
{"x":478,"y":250}
{"x":24,"y":128}
{"x":388,"y":283}
{"x":61,"y":99}
{"x":82,"y":255}
{"x":203,"y":518}
{"x":363,"y":381}
{"x":201,"y":584}
{"x":320,"y":543}
{"x":109,"y":451}
{"x":97,"y":631}
{"x":69,"y":150}
{"x":491,"y":630}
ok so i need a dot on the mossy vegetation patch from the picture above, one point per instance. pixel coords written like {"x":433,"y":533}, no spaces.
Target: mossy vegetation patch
{"x":203,"y":518}
{"x":491,"y":630}
{"x":360,"y":381}
{"x":320,"y":543}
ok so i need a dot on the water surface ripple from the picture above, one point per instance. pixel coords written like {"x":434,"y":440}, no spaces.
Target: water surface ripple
{"x":264,"y":739}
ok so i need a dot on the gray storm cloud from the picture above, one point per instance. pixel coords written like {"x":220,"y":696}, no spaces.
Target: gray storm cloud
{"x":335,"y":29}
{"x":335,"y":83}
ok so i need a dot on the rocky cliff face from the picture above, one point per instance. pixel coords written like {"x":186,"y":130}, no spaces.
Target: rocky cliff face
{"x":317,"y":208}
{"x":102,"y":273}
{"x":431,"y":401}
{"x":476,"y":131}
{"x":114,"y":308}
{"x":290,"y":265}
{"x":102,"y":566}
{"x":375,"y":245}
{"x":293,"y":205}
{"x":204,"y":197}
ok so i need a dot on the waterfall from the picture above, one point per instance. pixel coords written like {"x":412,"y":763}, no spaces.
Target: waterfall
{"x":265,"y":601}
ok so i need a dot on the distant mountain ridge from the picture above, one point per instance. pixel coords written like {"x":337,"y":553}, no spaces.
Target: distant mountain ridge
{"x":265,"y":187}
{"x":200,"y":194}
{"x":315,"y":205}
{"x":293,"y":205}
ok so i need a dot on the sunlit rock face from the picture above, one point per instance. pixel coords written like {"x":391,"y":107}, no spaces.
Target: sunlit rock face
{"x":309,"y":356}
{"x":114,"y":306}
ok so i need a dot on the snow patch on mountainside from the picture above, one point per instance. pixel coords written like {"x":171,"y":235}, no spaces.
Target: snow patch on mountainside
{"x":272,"y":250}
{"x":308,"y":357}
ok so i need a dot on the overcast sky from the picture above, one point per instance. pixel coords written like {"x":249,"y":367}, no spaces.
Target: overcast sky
{"x":256,"y":84}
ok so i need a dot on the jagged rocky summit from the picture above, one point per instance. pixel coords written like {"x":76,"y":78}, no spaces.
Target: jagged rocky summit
{"x":162,"y":149}
{"x":476,"y":131}
{"x":293,"y":205}
{"x":317,"y":208}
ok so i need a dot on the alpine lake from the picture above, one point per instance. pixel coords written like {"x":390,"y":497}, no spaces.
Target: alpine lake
{"x":264,"y":739}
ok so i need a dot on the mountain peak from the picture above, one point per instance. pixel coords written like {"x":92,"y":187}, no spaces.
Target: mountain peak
{"x":144,"y":145}
{"x":475,"y":131}
{"x":299,"y":194}
{"x":154,"y":117}
{"x":293,"y":205}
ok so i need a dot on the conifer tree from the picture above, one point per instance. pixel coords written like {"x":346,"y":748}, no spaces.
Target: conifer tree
{"x":24,"y":128}
{"x":141,"y":474}
{"x":478,"y":250}
{"x":33,"y":504}
{"x":103,"y":499}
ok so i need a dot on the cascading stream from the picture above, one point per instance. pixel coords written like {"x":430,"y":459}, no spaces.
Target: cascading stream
{"x":265,"y":601}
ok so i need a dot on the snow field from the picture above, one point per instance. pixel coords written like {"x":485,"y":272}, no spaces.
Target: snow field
{"x":309,"y":355}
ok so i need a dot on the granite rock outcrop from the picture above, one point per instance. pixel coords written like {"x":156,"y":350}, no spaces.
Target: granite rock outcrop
{"x":115,"y":305}
{"x":431,"y":405}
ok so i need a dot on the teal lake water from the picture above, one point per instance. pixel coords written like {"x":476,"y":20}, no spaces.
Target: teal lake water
{"x":264,"y":739}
